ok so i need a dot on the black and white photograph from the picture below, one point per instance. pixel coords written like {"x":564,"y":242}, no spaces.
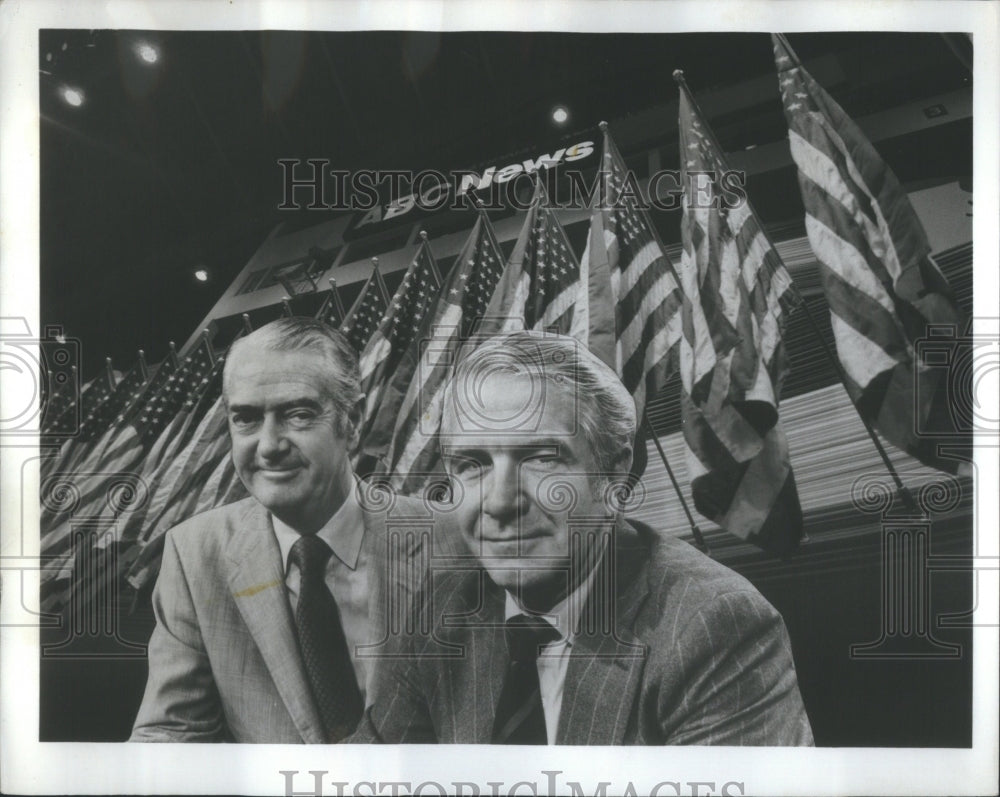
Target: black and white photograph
{"x":455,"y":399}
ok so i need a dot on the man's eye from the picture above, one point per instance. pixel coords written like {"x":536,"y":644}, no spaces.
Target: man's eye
{"x":241,"y":421}
{"x":463,"y":466}
{"x":543,"y":458}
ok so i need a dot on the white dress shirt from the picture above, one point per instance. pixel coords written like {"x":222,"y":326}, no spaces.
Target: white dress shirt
{"x":553,"y":660}
{"x":346,"y":576}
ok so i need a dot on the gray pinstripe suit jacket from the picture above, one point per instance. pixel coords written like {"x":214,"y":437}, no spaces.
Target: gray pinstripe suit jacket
{"x":224,"y":663}
{"x":697,"y":656}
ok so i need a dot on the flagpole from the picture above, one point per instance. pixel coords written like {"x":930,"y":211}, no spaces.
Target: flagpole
{"x":699,"y":540}
{"x":801,"y":302}
{"x":206,"y":337}
{"x":335,"y":298}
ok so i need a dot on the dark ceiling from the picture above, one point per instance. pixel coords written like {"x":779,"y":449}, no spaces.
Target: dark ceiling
{"x":172,"y":166}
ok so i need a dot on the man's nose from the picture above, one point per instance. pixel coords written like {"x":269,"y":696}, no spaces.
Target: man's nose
{"x":504,"y":496}
{"x":271,"y":442}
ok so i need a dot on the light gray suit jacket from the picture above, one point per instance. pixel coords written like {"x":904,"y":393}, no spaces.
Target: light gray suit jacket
{"x":224,"y":663}
{"x":695,"y":655}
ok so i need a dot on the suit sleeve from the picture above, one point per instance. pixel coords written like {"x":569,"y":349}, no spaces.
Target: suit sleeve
{"x":737,"y":678}
{"x":181,"y":703}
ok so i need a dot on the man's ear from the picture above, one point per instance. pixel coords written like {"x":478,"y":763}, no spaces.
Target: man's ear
{"x":622,"y":465}
{"x":352,"y":424}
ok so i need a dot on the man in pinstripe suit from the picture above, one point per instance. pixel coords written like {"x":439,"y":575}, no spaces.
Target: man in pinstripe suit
{"x":571,"y":625}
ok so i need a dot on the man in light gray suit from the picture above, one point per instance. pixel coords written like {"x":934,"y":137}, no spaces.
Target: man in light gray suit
{"x":573,"y":625}
{"x":266,"y":608}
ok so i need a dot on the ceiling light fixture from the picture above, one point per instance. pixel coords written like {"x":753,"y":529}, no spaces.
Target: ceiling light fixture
{"x":560,"y":115}
{"x":201,"y":275}
{"x":147,"y":52}
{"x":72,"y":96}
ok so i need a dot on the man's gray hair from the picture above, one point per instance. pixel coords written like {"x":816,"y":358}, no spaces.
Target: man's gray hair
{"x":605,"y":409}
{"x":308,"y":334}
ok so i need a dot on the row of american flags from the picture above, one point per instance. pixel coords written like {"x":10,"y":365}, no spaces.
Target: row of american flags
{"x":152,"y":448}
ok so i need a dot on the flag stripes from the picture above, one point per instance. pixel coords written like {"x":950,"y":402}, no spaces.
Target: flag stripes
{"x":882,"y":287}
{"x":716,"y":322}
{"x":413,"y":455}
{"x":737,"y":295}
{"x":414,"y":299}
{"x":642,"y":287}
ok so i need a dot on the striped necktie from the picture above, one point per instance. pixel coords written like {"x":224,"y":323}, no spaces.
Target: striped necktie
{"x":321,"y":639}
{"x":520,"y":718}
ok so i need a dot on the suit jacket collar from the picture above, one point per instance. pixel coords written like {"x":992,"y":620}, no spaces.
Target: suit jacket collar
{"x":605,"y":667}
{"x":257,"y":583}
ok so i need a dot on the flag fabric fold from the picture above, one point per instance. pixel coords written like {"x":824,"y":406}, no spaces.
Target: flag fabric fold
{"x":629,"y":313}
{"x":379,"y":364}
{"x":365,"y":314}
{"x":422,"y":374}
{"x":883,"y":288}
{"x":541,"y":283}
{"x":737,"y":295}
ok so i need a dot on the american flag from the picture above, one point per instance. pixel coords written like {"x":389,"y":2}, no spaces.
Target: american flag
{"x":881,"y":285}
{"x":96,"y":417}
{"x":414,"y":300}
{"x":182,"y":449}
{"x":92,"y":395}
{"x":737,"y":293}
{"x":423,"y":374}
{"x":180,"y":386}
{"x":171,"y":395}
{"x":58,"y":410}
{"x":630,"y":279}
{"x":332,"y":310}
{"x":541,"y":284}
{"x":365,"y":314}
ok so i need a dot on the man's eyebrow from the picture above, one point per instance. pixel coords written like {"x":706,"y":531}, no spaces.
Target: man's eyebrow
{"x":280,"y":407}
{"x":459,"y":448}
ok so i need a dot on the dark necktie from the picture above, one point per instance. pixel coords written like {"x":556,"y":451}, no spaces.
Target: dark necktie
{"x":520,"y":718}
{"x":321,"y":640}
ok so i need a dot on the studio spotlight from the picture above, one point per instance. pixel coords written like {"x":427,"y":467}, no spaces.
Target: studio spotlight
{"x":147,"y":52}
{"x":560,"y":115}
{"x":72,"y":96}
{"x":201,"y":275}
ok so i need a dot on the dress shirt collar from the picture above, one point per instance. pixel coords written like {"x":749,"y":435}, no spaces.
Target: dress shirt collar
{"x":560,"y":616}
{"x":343,"y":532}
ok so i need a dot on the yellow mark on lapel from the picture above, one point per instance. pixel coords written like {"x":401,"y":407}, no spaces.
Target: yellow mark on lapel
{"x":249,"y":591}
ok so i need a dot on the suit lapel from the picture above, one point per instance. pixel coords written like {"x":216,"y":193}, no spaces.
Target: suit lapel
{"x":605,"y":668}
{"x":472,"y":617}
{"x":490,"y":668}
{"x":257,"y":584}
{"x":374,"y":543}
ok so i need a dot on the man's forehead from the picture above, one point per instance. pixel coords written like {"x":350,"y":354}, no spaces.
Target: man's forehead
{"x":276,"y":375}
{"x":522,"y":408}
